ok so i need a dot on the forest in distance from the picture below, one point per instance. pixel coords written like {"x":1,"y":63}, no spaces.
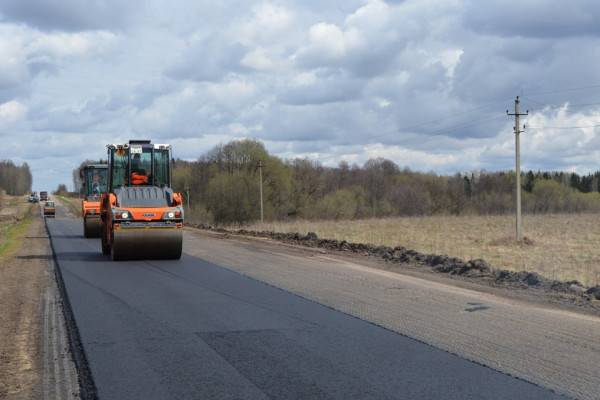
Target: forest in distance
{"x":15,"y":180}
{"x":223,"y":188}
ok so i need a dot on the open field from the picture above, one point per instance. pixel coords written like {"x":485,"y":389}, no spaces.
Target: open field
{"x":560,"y":246}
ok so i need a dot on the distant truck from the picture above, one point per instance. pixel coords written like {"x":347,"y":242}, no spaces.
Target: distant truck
{"x":43,"y":196}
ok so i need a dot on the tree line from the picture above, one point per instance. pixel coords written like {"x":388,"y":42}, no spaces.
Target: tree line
{"x":223,"y":187}
{"x":15,"y":179}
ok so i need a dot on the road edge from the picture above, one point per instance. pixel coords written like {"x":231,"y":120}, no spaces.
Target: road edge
{"x":543,"y":291}
{"x":87,"y":387}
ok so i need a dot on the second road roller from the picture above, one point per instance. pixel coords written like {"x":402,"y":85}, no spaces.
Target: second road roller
{"x":141,"y":216}
{"x":94,"y":179}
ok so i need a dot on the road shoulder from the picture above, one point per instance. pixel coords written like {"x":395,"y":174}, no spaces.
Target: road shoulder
{"x":34,"y":352}
{"x":538,"y":297}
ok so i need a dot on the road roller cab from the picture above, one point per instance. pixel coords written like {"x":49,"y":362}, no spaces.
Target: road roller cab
{"x":141,"y":216}
{"x":95,"y":180}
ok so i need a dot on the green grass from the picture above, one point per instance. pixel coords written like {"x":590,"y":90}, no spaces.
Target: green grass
{"x":11,"y":235}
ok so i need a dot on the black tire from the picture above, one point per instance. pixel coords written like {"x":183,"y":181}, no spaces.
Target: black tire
{"x":86,"y":233}
{"x":113,"y":255}
{"x":105,"y":249}
{"x":177,"y":256}
{"x":105,"y":246}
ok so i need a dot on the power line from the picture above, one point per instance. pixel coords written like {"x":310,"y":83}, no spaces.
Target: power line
{"x":447,"y":129}
{"x":572,"y":89}
{"x":486,"y":105}
{"x":454,"y":127}
{"x":570,"y":105}
{"x":563,"y":127}
{"x":466,"y":125}
{"x":435,"y":121}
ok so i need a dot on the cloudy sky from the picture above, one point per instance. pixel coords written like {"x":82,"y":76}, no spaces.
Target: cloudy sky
{"x":424,"y":83}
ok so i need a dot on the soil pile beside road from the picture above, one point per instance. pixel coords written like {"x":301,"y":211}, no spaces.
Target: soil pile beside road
{"x":477,"y":268}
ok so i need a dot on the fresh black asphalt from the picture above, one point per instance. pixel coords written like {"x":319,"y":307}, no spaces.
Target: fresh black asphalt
{"x":189,"y":329}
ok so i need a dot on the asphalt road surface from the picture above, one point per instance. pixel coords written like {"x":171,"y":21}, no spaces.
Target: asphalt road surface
{"x":191,"y":329}
{"x":509,"y":330}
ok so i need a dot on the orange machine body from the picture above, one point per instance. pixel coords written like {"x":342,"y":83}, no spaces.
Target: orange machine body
{"x":90,"y":208}
{"x":49,"y":209}
{"x":141,"y":217}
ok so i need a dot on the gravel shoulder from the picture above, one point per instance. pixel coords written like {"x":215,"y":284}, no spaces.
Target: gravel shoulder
{"x":552,"y":346}
{"x":476,"y":274}
{"x":34,"y":358}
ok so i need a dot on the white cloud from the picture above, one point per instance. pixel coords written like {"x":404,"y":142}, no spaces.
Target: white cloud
{"x":26,"y":53}
{"x":265,"y":23}
{"x":11,"y":111}
{"x":62,"y":44}
{"x":422,"y":82}
{"x":374,"y":14}
{"x":262,"y":59}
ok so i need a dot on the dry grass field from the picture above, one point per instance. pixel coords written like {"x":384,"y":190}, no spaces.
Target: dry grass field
{"x":562,"y":246}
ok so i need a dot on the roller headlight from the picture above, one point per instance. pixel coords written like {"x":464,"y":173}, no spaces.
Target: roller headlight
{"x":121,"y":214}
{"x":171,"y":214}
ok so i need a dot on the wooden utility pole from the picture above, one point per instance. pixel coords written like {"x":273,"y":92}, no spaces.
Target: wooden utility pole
{"x":517,"y":129}
{"x":262,"y":215}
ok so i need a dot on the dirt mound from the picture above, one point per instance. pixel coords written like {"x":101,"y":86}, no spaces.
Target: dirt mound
{"x":476,"y":268}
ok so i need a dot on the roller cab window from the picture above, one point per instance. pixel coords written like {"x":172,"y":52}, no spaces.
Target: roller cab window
{"x":141,"y":165}
{"x":161,"y":167}
{"x":120,"y":161}
{"x":96,"y":181}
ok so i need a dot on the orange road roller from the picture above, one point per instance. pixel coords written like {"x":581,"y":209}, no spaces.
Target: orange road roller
{"x":49,"y":209}
{"x":94,"y":178}
{"x":141,"y":216}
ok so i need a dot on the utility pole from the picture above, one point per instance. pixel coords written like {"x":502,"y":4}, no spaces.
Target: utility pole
{"x":262,"y":215}
{"x":517,"y":129}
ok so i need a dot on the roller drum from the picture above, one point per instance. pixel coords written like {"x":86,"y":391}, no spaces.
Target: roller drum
{"x":91,"y":227}
{"x":147,"y":243}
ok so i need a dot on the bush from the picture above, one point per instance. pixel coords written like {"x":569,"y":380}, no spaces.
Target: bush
{"x":61,"y":190}
{"x":341,"y":204}
{"x":550,"y":196}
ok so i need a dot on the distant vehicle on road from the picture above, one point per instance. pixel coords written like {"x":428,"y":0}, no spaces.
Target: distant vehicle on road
{"x":43,"y":196}
{"x":33,"y":197}
{"x":94,"y":178}
{"x":49,"y":209}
